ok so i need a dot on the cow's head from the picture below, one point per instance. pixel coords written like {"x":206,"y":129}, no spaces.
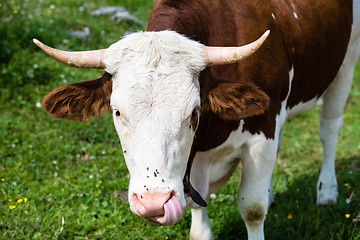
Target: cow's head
{"x":151,"y":85}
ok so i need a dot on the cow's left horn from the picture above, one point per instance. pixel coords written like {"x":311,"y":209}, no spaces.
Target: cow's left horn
{"x":80,"y":59}
{"x":228,"y":55}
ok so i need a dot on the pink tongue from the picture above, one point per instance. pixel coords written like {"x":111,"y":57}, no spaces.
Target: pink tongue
{"x":173,"y":212}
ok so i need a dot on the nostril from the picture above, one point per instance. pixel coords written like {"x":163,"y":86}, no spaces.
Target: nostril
{"x":139,"y":208}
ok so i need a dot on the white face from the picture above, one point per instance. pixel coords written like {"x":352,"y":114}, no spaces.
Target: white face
{"x":155,"y":102}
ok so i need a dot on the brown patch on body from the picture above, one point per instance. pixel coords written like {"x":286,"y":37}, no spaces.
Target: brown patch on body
{"x":314,"y":43}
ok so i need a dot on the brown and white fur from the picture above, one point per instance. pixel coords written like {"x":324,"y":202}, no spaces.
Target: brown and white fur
{"x":173,"y":114}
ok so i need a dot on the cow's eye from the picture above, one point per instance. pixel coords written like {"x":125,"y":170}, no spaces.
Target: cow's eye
{"x":195,"y":118}
{"x":118,"y":114}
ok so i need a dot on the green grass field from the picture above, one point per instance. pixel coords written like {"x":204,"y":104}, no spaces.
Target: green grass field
{"x":67,"y":180}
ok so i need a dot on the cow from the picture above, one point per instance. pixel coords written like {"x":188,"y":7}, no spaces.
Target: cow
{"x":189,"y":104}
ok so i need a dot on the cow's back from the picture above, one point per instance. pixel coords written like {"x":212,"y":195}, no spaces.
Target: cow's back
{"x":306,"y":36}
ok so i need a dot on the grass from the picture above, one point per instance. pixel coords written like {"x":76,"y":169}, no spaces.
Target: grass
{"x":66,"y":180}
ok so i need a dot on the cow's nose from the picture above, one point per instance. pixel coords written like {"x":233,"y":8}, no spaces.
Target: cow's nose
{"x":150,"y":205}
{"x":158,"y":208}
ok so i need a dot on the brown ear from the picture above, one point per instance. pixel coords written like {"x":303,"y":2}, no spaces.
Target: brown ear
{"x":80,"y":101}
{"x":237,"y":100}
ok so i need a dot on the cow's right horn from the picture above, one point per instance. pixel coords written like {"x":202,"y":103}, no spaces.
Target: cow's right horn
{"x":80,"y":59}
{"x":227,"y":55}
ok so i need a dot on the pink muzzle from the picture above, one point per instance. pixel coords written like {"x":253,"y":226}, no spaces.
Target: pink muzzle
{"x":161,"y":209}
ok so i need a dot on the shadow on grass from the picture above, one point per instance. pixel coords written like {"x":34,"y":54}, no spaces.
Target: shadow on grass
{"x":295,"y":215}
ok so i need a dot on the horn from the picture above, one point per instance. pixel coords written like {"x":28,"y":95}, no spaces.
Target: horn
{"x":80,"y":59}
{"x":228,"y":55}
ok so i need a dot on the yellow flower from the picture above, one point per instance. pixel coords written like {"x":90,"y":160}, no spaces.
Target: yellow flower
{"x":101,"y":170}
{"x":0,"y":5}
{"x":10,"y":199}
{"x":50,"y":13}
{"x":12,"y":1}
{"x":289,"y":216}
{"x":25,"y":199}
{"x":26,"y":212}
{"x":12,"y":207}
{"x":2,"y":179}
{"x":15,"y":11}
{"x":19,"y":200}
{"x":347,"y":215}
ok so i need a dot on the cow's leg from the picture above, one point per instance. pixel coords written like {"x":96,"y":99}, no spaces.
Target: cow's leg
{"x":271,"y":192}
{"x":331,"y":121}
{"x":200,"y":225}
{"x":258,"y":160}
{"x":327,"y":185}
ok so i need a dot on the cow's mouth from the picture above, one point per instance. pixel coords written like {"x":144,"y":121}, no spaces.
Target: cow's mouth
{"x":173,"y":213}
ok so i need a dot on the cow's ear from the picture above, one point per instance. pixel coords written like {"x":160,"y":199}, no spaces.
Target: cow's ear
{"x":236,"y":100}
{"x":80,"y":101}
